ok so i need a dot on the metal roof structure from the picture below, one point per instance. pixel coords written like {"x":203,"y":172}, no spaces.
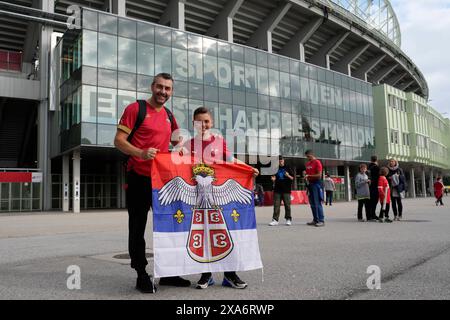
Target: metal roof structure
{"x":360,"y":38}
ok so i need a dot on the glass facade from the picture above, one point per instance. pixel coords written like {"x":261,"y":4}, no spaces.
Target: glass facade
{"x":284,"y":105}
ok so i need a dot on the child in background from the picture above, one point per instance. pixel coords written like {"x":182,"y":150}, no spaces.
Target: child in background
{"x":438,"y":191}
{"x":384,"y":195}
{"x":363,"y":192}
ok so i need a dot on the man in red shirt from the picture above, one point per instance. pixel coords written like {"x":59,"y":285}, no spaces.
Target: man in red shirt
{"x":152,"y":136}
{"x":313,"y":176}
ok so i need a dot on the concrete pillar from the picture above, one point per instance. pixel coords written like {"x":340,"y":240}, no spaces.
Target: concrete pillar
{"x":44,"y":163}
{"x":118,"y":7}
{"x":431,"y":182}
{"x":348,"y":185}
{"x":412,"y":184}
{"x":65,"y":183}
{"x":424,"y":184}
{"x":76,"y":181}
{"x":174,"y":15}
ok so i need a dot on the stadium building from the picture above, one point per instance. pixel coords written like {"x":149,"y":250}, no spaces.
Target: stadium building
{"x":282,"y":76}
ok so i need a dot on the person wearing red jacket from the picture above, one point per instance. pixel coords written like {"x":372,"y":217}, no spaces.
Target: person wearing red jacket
{"x":384,"y":195}
{"x":439,"y":190}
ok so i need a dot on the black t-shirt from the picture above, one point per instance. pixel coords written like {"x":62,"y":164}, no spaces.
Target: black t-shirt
{"x":374,"y":174}
{"x":282,"y":183}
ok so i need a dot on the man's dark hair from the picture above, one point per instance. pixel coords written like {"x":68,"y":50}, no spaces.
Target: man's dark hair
{"x":163,"y":75}
{"x":373,"y":158}
{"x":280,"y":158}
{"x":309,"y":152}
{"x":201,"y":110}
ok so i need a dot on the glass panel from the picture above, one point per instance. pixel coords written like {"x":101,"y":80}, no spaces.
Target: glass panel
{"x":107,"y":23}
{"x":90,"y":48}
{"x":145,"y":32}
{"x":274,"y":83}
{"x":88,"y":133}
{"x":195,"y":67}
{"x":261,"y":59}
{"x":127,"y":55}
{"x":224,"y":73}
{"x":238,"y":76}
{"x":179,"y":39}
{"x":145,"y":58}
{"x":144,"y":83}
{"x":224,"y":50}
{"x":195,"y":43}
{"x":250,"y":78}
{"x":250,"y":56}
{"x":127,"y":28}
{"x":163,"y":36}
{"x":107,"y":51}
{"x":210,"y":70}
{"x":124,"y":98}
{"x":89,"y":75}
{"x":162,"y":59}
{"x":263,"y":81}
{"x":179,"y":64}
{"x":275,"y":125}
{"x":89,"y":104}
{"x":181,"y":112}
{"x":127,"y":81}
{"x":107,"y":105}
{"x":210,"y":47}
{"x":106,"y":135}
{"x":237,"y":53}
{"x":90,"y":20}
{"x":107,"y":78}
{"x":195,"y":91}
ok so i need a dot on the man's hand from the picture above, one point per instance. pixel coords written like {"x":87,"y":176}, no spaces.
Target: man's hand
{"x":149,"y":153}
{"x":273,"y":178}
{"x":255,"y":172}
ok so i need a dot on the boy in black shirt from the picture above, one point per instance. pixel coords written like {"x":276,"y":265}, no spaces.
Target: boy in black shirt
{"x":282,"y":192}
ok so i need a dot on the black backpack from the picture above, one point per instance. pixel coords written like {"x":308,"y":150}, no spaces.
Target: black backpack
{"x":140,"y":118}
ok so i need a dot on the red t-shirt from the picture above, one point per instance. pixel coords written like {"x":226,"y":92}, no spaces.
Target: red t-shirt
{"x":154,"y":132}
{"x":382,"y":185}
{"x":313,"y":167}
{"x":213,"y":150}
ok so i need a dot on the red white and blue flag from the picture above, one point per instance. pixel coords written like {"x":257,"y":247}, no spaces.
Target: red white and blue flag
{"x":203,"y":218}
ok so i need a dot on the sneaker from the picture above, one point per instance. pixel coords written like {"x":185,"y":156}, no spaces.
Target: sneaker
{"x":312,"y":223}
{"x":399,"y":218}
{"x":174,"y":281}
{"x":232,"y":280}
{"x":288,"y":222}
{"x":320,"y":224}
{"x":144,"y":284}
{"x":273,"y":223}
{"x":387,"y":220}
{"x":205,"y":281}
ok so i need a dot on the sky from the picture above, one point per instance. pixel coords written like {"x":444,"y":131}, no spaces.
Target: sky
{"x":425,"y":28}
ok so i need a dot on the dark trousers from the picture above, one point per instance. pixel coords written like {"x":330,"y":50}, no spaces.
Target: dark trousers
{"x":385,"y":211}
{"x":366,"y":204}
{"x":277,"y":198}
{"x":397,"y":206}
{"x":373,"y":203}
{"x":329,"y":197}
{"x":439,"y":200}
{"x":139,"y":201}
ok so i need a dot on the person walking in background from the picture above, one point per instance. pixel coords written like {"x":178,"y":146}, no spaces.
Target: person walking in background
{"x":313,"y":175}
{"x":329,"y":187}
{"x":260,"y":193}
{"x":374,"y":173}
{"x":439,"y":191}
{"x":384,"y":194}
{"x":282,"y":192}
{"x":397,"y":184}
{"x":363,"y":193}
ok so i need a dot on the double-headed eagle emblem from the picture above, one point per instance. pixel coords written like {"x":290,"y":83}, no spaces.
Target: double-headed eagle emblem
{"x":204,"y":194}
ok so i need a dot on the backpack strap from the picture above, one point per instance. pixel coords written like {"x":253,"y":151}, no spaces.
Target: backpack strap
{"x":140,"y":118}
{"x":170,"y":116}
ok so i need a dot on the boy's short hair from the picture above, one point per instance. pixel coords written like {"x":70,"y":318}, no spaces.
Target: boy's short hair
{"x":164,"y":75}
{"x":363,"y":165}
{"x":309,"y":152}
{"x":384,"y":171}
{"x":201,"y":110}
{"x":373,"y":158}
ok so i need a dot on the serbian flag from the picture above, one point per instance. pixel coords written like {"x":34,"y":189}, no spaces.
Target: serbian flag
{"x":203,"y":217}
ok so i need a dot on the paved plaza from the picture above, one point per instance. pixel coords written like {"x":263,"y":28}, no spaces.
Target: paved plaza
{"x":300,"y":262}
